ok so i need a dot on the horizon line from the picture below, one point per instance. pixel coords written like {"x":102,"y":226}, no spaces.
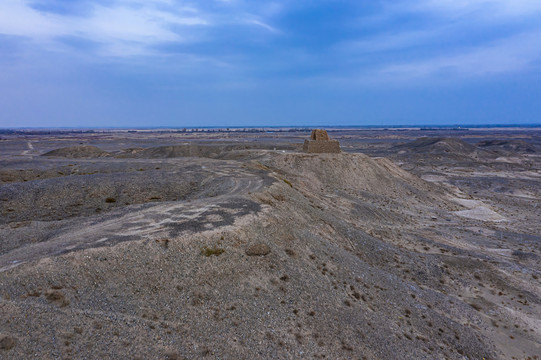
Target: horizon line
{"x":420,"y":126}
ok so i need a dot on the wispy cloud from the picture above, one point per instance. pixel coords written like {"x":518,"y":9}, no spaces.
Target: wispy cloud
{"x":262,"y":25}
{"x":465,"y":38}
{"x":391,"y":41}
{"x":510,"y":55}
{"x":122,"y":28}
{"x":487,"y":7}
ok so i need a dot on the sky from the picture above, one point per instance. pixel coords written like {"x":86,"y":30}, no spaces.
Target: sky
{"x":177,"y":63}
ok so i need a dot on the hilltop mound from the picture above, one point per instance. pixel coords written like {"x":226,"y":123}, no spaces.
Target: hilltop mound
{"x":353,"y":172}
{"x":179,"y":151}
{"x":76,"y":152}
{"x":513,"y":146}
{"x":427,"y":144}
{"x":217,"y":151}
{"x":444,"y":146}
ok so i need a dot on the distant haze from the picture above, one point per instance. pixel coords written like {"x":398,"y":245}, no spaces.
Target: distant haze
{"x":146,"y":63}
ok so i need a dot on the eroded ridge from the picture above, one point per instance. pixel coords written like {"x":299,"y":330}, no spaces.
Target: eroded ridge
{"x":275,"y":254}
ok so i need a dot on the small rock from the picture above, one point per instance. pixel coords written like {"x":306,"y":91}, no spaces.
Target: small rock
{"x":7,"y":342}
{"x":258,"y":250}
{"x":173,"y":356}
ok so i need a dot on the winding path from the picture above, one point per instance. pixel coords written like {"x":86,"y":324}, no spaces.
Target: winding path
{"x":147,"y":221}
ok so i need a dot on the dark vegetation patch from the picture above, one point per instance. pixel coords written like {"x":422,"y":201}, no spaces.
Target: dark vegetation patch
{"x":57,"y":297}
{"x":210,"y":251}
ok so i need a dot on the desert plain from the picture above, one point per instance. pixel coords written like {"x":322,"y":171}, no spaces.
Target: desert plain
{"x":235,"y":244}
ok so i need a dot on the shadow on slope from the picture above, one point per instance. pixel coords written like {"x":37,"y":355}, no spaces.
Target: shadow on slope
{"x":444,"y":146}
{"x":218,"y":151}
{"x":509,"y":147}
{"x":77,"y":152}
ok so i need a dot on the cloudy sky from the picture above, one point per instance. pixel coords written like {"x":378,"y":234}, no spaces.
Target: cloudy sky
{"x":124,"y":63}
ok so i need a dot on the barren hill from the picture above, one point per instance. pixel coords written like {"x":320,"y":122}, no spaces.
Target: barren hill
{"x":292,"y":255}
{"x":75,"y":152}
{"x":446,"y":146}
{"x":195,"y":150}
{"x":513,"y":146}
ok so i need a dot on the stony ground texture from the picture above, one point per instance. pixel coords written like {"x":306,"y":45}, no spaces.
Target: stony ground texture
{"x":259,"y":253}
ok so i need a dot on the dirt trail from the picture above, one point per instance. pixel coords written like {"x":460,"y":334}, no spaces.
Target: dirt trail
{"x":30,"y":148}
{"x":154,"y":221}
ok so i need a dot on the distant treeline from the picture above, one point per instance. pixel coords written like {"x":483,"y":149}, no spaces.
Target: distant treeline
{"x":45,"y":132}
{"x":265,"y":129}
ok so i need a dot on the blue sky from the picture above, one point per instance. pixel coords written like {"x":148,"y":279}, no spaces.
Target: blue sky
{"x":127,"y":63}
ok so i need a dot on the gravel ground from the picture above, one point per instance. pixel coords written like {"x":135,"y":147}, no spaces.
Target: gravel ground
{"x":274,"y":255}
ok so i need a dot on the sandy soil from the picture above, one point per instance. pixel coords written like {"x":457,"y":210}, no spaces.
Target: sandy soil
{"x":173,"y":245}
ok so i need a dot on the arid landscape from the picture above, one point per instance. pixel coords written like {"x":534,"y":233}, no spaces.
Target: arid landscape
{"x":236,"y":244}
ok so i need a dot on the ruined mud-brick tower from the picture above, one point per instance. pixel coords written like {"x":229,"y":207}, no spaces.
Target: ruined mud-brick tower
{"x":320,"y":143}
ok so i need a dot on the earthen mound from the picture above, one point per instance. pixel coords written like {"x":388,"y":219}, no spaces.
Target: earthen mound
{"x":513,"y":146}
{"x":359,"y":173}
{"x":180,"y":151}
{"x":76,"y":152}
{"x":218,"y":151}
{"x":442,"y":146}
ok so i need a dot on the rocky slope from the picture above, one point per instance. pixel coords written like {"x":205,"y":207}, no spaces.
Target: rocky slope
{"x":334,"y":256}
